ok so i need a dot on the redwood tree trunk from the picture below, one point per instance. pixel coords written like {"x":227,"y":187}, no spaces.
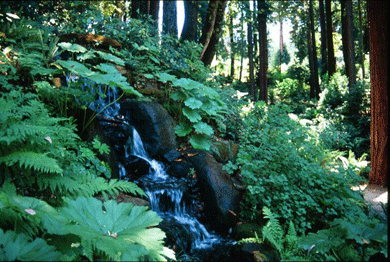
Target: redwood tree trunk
{"x":250,"y":53}
{"x":262,"y":81}
{"x":191,"y":21}
{"x":324,"y":56}
{"x":347,"y":39}
{"x":379,"y":55}
{"x":329,"y":31}
{"x":208,"y":55}
{"x":170,"y":18}
{"x":314,"y":84}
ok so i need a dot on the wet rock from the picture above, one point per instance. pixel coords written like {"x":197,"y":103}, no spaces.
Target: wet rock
{"x":223,"y":151}
{"x":220,"y":197}
{"x":134,"y":200}
{"x":255,"y":252}
{"x":178,"y":236}
{"x":153,"y":123}
{"x":246,"y":230}
{"x":136,"y":167}
{"x":171,"y":155}
{"x":179,"y":169}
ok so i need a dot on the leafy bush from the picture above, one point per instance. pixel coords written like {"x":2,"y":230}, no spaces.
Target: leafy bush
{"x":285,"y":169}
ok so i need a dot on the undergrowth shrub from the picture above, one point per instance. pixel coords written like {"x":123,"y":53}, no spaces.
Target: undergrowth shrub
{"x":286,"y":169}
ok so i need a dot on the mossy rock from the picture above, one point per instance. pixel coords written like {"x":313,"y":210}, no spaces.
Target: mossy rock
{"x":246,"y":230}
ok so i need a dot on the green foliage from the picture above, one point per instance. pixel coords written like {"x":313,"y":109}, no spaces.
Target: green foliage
{"x":114,"y":231}
{"x":18,"y":247}
{"x":285,"y":169}
{"x":348,"y":241}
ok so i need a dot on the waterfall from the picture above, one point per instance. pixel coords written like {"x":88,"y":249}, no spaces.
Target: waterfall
{"x":166,"y":196}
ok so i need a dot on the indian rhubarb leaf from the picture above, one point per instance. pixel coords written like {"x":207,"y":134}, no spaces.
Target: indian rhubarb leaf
{"x":200,"y":142}
{"x":203,"y":128}
{"x":183,"y":129}
{"x":192,"y":114}
{"x":193,"y":103}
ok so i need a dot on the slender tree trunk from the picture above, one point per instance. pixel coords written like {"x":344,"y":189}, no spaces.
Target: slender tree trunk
{"x":154,"y":9}
{"x":347,"y":39}
{"x":191,"y":21}
{"x":314,"y":84}
{"x":280,"y":43}
{"x":263,"y":52}
{"x":361,"y":39}
{"x":250,"y":53}
{"x":324,"y":56}
{"x":208,"y":28}
{"x":329,"y":31}
{"x":231,"y":36}
{"x":170,"y":18}
{"x":379,"y":57}
{"x":208,"y":55}
{"x":241,"y":47}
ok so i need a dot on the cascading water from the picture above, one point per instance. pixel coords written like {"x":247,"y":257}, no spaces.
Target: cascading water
{"x":166,"y":196}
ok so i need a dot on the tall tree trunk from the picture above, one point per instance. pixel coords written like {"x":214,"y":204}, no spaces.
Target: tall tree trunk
{"x":250,"y":52}
{"x":379,"y":57}
{"x":241,"y":46}
{"x":361,"y":39}
{"x":231,"y":36}
{"x":208,"y":55}
{"x":314,"y":84}
{"x":209,"y":24}
{"x":170,"y":18}
{"x":347,"y":39}
{"x":329,"y":31}
{"x":280,"y":43}
{"x":154,"y":9}
{"x":149,"y":7}
{"x":324,"y":56}
{"x":191,"y":21}
{"x":262,"y":81}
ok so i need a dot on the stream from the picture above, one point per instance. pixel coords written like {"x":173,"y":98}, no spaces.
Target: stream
{"x":175,"y":199}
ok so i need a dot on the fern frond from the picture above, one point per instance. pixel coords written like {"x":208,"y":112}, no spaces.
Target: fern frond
{"x":291,"y":239}
{"x":272,"y":231}
{"x":37,"y":161}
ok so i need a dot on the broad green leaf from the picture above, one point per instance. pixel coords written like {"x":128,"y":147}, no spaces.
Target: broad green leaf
{"x":76,"y":68}
{"x":193,"y":103}
{"x":111,"y":58}
{"x":178,"y":95}
{"x":203,"y":128}
{"x":183,"y":129}
{"x":74,"y":48}
{"x":107,"y":68}
{"x":112,"y":228}
{"x":164,"y":77}
{"x":192,"y":114}
{"x":17,"y":247}
{"x":323,"y":240}
{"x":186,"y":83}
{"x":149,"y":76}
{"x":200,"y":142}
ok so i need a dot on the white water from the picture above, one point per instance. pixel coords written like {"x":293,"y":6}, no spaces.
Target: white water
{"x":161,"y":187}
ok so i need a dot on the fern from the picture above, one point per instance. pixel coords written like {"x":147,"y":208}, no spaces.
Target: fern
{"x":37,"y":161}
{"x":273,"y":231}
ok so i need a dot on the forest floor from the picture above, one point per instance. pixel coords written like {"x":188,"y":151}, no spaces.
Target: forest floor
{"x":375,"y":195}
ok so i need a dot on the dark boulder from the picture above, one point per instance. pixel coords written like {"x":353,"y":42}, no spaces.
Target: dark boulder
{"x":255,"y":252}
{"x":153,"y":123}
{"x":136,"y":167}
{"x":246,"y":230}
{"x":218,"y":192}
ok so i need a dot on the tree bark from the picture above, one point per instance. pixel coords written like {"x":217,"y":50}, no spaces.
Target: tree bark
{"x":329,"y":31}
{"x":170,"y":18}
{"x":149,"y":7}
{"x":231,"y":37}
{"x":208,"y":28}
{"x":324,"y":56}
{"x":347,"y":39}
{"x":314,"y":84}
{"x":361,"y":39}
{"x":250,"y":53}
{"x":208,"y":55}
{"x":262,"y":81}
{"x":190,"y":22}
{"x":379,"y":55}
